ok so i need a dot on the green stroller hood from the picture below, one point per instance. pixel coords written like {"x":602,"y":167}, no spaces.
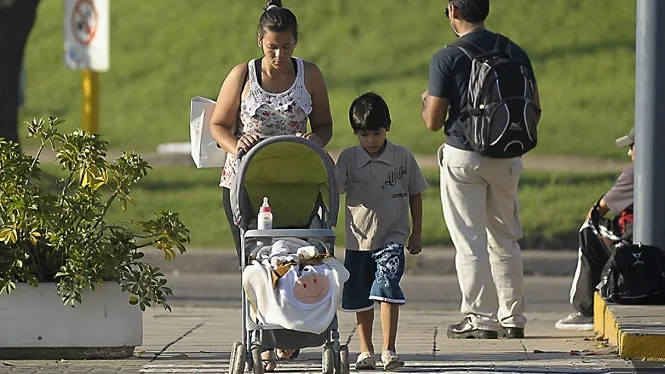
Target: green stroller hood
{"x":296,"y":176}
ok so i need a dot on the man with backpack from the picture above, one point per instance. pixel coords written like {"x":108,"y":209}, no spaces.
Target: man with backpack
{"x":482,"y":92}
{"x":598,"y":237}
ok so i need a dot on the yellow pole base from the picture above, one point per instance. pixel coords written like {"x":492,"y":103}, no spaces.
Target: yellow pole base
{"x":90,"y":87}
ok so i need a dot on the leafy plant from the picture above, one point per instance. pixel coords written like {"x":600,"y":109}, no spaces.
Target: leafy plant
{"x":56,"y":231}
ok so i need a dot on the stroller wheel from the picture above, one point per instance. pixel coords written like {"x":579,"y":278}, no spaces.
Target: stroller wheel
{"x":257,"y":366}
{"x":232,"y":356}
{"x":328,"y":360}
{"x":344,"y":367}
{"x":237,"y":358}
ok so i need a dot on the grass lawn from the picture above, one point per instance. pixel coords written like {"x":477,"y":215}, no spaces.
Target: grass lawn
{"x":165,"y":52}
{"x":552,"y":205}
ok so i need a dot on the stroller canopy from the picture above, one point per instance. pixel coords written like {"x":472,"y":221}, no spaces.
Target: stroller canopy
{"x":295,"y":174}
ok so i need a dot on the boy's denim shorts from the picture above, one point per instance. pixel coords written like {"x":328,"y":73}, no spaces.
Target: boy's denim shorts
{"x":374,"y":276}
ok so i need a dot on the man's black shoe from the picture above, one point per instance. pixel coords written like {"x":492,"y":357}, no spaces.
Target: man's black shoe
{"x":511,"y":332}
{"x":465,"y":330}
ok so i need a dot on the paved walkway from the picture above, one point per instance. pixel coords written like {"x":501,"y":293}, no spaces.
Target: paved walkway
{"x":198,"y":340}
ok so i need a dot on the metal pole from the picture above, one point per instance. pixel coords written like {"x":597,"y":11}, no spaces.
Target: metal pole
{"x":90,"y":87}
{"x":650,"y":123}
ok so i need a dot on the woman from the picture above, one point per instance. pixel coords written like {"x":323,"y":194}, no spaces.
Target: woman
{"x":274,"y":95}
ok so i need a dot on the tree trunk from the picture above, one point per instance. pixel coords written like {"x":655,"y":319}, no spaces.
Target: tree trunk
{"x":17,"y":17}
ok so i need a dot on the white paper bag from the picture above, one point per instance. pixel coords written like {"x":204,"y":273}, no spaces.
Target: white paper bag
{"x":205,"y":152}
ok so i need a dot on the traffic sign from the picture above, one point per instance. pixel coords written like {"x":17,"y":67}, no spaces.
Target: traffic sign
{"x":87,"y":34}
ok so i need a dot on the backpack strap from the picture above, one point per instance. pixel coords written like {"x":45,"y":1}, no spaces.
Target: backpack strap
{"x":625,"y":237}
{"x":595,"y":214}
{"x":502,"y":44}
{"x":469,"y":48}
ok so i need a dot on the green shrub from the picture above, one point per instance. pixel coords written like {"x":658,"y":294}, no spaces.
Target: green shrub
{"x":56,"y":230}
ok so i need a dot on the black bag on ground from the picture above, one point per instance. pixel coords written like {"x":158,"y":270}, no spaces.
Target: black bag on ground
{"x":634,"y":274}
{"x":500,"y":118}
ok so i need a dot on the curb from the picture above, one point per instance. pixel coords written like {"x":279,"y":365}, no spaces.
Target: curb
{"x":638,"y":330}
{"x":433,"y":261}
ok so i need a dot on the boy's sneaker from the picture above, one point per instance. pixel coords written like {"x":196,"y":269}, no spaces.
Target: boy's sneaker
{"x":365,"y":361}
{"x":391,"y":361}
{"x":575,"y":321}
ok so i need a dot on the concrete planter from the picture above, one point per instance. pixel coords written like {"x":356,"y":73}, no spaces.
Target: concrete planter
{"x":35,"y":324}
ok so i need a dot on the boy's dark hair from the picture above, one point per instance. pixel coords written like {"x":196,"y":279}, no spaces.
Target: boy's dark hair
{"x":472,"y":10}
{"x":369,"y":112}
{"x":277,"y":20}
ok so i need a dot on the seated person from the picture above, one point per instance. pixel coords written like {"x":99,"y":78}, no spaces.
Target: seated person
{"x":594,"y":253}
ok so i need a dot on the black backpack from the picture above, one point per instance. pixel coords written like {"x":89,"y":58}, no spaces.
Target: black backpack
{"x":500,"y":118}
{"x":634,"y":274}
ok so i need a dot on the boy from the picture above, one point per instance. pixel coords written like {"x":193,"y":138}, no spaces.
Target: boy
{"x":382,"y":182}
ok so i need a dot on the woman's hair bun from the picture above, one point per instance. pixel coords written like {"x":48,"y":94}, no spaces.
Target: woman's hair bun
{"x":275,"y":18}
{"x":277,"y":3}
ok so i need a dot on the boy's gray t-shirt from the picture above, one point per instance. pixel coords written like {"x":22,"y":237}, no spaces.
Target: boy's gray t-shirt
{"x":377,"y":195}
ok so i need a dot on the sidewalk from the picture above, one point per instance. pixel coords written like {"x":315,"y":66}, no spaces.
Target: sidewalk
{"x":432,"y":261}
{"x":198,"y":340}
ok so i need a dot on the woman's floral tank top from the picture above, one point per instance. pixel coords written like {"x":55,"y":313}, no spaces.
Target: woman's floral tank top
{"x":269,"y":114}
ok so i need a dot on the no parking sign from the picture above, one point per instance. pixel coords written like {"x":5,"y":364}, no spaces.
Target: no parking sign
{"x":86,"y":27}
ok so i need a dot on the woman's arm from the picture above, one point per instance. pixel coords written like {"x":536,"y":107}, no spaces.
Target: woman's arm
{"x":320,"y":119}
{"x":225,"y":114}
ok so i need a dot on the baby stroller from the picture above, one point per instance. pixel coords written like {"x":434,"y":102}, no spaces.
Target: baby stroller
{"x":298,"y":178}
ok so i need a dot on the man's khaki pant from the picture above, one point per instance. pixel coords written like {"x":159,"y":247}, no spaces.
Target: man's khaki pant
{"x":481,"y":210}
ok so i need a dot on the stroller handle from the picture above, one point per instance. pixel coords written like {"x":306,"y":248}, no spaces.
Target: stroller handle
{"x":285,"y":233}
{"x":242,"y":152}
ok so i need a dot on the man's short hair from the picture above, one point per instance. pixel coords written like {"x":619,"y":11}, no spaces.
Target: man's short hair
{"x":472,"y":10}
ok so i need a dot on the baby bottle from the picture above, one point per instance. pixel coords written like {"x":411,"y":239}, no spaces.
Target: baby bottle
{"x":264,"y":219}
